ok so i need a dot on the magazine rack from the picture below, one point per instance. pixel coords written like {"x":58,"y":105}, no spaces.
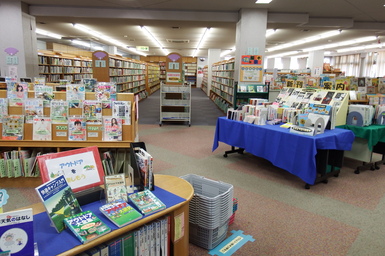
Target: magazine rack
{"x":138,"y":177}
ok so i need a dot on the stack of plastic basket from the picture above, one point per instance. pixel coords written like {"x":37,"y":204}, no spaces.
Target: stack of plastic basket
{"x":210,"y":210}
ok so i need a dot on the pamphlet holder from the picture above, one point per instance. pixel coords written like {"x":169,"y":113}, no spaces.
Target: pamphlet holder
{"x":90,"y":195}
{"x":138,"y":178}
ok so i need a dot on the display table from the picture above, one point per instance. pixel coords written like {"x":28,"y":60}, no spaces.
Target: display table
{"x":307,"y":157}
{"x":369,"y":140}
{"x":175,"y":192}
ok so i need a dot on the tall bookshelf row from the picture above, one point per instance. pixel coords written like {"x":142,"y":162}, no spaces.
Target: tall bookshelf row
{"x":128,"y":74}
{"x":205,"y":79}
{"x":153,"y":78}
{"x":222,"y":84}
{"x":58,"y":66}
{"x":190,"y":73}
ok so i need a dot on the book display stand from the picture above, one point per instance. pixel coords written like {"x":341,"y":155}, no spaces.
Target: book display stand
{"x":138,"y":178}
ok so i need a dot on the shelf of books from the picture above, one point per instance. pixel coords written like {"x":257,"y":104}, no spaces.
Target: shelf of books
{"x":153,"y":78}
{"x":62,"y":123}
{"x":242,"y":93}
{"x":128,"y":74}
{"x":205,"y":79}
{"x":222,"y":84}
{"x":190,"y":73}
{"x":56,"y":66}
{"x":100,"y":227}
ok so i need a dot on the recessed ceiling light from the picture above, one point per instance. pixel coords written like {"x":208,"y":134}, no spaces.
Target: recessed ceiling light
{"x":263,"y":1}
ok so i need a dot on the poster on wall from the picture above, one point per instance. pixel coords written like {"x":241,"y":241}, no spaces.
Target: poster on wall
{"x":251,"y":73}
{"x":173,"y":77}
{"x":251,"y":59}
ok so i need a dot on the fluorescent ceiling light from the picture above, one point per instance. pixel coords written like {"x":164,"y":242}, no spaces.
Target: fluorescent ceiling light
{"x":156,"y":41}
{"x":46,"y":33}
{"x":360,"y":48}
{"x":227,"y":52}
{"x":263,"y":1}
{"x":305,"y":40}
{"x":85,"y":44}
{"x":339,"y":44}
{"x":269,"y":32}
{"x":203,"y":38}
{"x":105,"y":38}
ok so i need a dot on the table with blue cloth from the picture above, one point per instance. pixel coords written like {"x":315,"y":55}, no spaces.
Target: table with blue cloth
{"x":311,"y":158}
{"x":369,"y":139}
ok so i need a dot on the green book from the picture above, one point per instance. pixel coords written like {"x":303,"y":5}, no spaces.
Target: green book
{"x":128,"y":244}
{"x":120,"y":212}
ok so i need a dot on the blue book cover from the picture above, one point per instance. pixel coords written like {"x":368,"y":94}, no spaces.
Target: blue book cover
{"x":16,"y":232}
{"x":115,"y":248}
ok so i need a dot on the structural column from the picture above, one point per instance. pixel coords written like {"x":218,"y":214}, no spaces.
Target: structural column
{"x":250,"y":38}
{"x":316,"y":62}
{"x":18,"y":50}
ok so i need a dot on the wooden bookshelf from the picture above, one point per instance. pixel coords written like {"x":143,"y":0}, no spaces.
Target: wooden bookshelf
{"x":55,"y":66}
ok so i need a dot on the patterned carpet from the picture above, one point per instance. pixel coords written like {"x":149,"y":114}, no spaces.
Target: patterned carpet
{"x":343,"y":217}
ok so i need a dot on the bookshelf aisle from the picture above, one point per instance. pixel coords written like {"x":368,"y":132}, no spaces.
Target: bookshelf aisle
{"x":204,"y":79}
{"x":222,"y":84}
{"x":153,"y":78}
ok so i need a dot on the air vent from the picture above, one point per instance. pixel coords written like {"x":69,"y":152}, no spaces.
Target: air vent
{"x":178,"y":41}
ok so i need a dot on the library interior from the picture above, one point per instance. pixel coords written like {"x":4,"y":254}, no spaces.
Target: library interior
{"x":250,"y":127}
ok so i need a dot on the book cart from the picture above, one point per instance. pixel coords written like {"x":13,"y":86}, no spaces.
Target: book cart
{"x":61,"y":143}
{"x":177,"y":211}
{"x":175,"y":94}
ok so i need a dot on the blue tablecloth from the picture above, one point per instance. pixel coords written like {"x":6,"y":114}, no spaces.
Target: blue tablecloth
{"x":52,"y":243}
{"x":292,"y":152}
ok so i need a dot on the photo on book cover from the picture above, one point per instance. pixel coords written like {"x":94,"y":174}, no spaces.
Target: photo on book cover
{"x":17,"y":93}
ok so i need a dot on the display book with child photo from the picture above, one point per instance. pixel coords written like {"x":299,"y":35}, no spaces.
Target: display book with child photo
{"x":17,"y":93}
{"x":112,"y":128}
{"x":76,"y":128}
{"x":42,"y":128}
{"x":75,"y":95}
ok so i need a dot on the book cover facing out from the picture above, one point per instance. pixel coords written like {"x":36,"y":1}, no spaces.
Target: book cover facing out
{"x":120,"y":212}
{"x":16,"y":233}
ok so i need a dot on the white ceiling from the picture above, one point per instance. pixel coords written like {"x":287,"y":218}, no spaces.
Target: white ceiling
{"x":185,"y":20}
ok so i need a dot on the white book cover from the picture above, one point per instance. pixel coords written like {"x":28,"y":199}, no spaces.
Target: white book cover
{"x":42,"y":128}
{"x":59,"y":111}
{"x":3,"y":108}
{"x":75,"y":95}
{"x":122,"y":109}
{"x":17,"y":93}
{"x":33,"y":107}
{"x":77,"y":128}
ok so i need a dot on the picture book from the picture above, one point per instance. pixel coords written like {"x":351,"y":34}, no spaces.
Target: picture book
{"x":45,"y":93}
{"x":146,"y":167}
{"x":146,"y":202}
{"x":105,"y":91}
{"x":75,"y":94}
{"x":86,"y":226}
{"x":42,"y":128}
{"x":381,"y":85}
{"x":3,"y":108}
{"x":13,"y":127}
{"x":39,"y":80}
{"x":115,"y":187}
{"x":122,"y":109}
{"x":17,"y":93}
{"x":16,"y":233}
{"x":120,"y":212}
{"x":32,"y":108}
{"x":77,"y":128}
{"x":59,"y":111}
{"x":59,"y":201}
{"x":112,"y":128}
{"x":81,"y":167}
{"x":89,"y":84}
{"x":92,"y":111}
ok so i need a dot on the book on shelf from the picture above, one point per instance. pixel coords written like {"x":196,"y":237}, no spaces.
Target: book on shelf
{"x":59,"y":201}
{"x":112,"y":128}
{"x":146,"y":202}
{"x":42,"y":128}
{"x":13,"y":127}
{"x":39,"y":81}
{"x":115,"y":187}
{"x":122,"y":109}
{"x":59,"y":111}
{"x":115,"y":247}
{"x":17,"y":93}
{"x":120,"y":212}
{"x":32,"y":107}
{"x":3,"y":108}
{"x":76,"y":128}
{"x":108,"y":162}
{"x":145,"y":164}
{"x":16,"y":233}
{"x":128,"y":244}
{"x":105,"y":91}
{"x":92,"y":111}
{"x":45,"y":93}
{"x":89,"y":84}
{"x":86,"y":226}
{"x":75,"y":94}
